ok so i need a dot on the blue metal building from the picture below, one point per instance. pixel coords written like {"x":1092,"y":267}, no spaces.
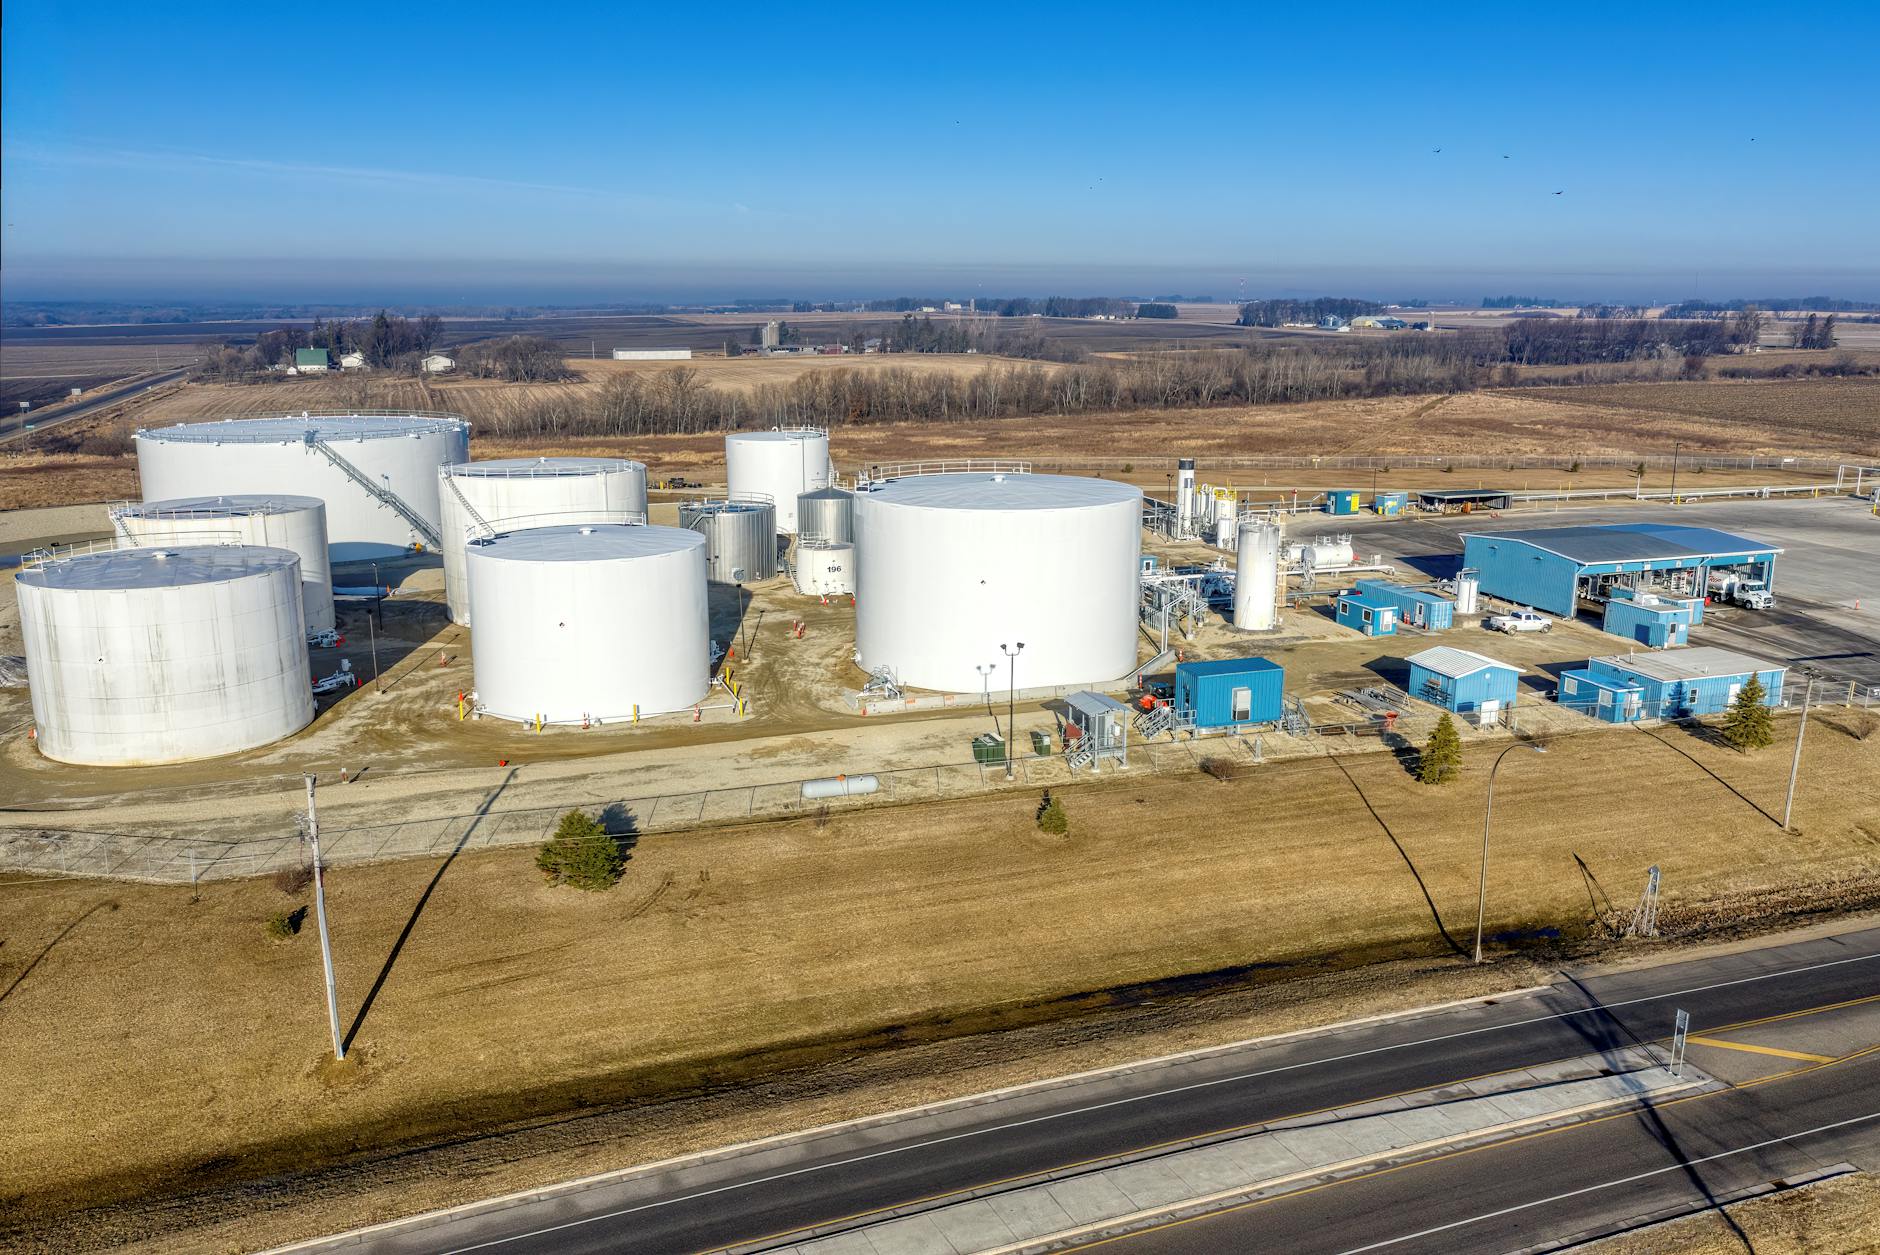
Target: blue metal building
{"x":1364,"y":613}
{"x":1415,"y":608}
{"x":1229,"y":692}
{"x":1650,"y":619}
{"x":1389,"y":504}
{"x":1551,"y":568}
{"x":1343,"y":501}
{"x":1670,"y":685}
{"x":1463,"y":681}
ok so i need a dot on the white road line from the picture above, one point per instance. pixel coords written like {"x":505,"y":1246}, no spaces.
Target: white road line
{"x":1679,"y":1166}
{"x":1123,"y":1102}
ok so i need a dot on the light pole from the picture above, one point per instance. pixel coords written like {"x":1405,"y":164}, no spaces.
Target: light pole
{"x":1011,"y":702}
{"x":1788,"y":808}
{"x":985,"y":670}
{"x":1674,"y":470}
{"x":1488,"y":814}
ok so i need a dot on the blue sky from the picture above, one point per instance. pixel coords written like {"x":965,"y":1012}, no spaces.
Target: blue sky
{"x":570,"y":152}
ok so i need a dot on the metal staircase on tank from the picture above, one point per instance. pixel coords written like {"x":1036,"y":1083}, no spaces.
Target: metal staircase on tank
{"x":483,"y":527}
{"x":380,"y":493}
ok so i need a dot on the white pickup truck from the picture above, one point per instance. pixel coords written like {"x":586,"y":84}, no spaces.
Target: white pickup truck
{"x":1519,"y":621}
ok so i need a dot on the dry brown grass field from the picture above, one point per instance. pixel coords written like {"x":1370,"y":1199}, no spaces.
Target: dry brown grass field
{"x":175,"y":1046}
{"x":1843,"y":412}
{"x":1839,"y":1216}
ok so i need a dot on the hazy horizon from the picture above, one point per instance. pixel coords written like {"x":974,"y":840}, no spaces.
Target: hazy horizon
{"x":638,"y":155}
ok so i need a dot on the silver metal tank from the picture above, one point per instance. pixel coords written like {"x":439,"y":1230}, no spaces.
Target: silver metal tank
{"x":740,"y":538}
{"x":826,"y":516}
{"x":1256,"y":578}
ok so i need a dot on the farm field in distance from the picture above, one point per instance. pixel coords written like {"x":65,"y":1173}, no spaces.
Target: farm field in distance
{"x":739,"y":952}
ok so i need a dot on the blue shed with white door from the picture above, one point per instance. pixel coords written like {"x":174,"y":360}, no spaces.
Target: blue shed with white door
{"x":1415,"y":608}
{"x":1229,"y":692}
{"x":1650,"y":619}
{"x":1343,"y":501}
{"x":1362,"y":612}
{"x":1463,"y":680}
{"x":1669,"y":685}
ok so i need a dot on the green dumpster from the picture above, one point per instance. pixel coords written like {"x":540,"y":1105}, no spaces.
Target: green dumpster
{"x":1041,"y":743}
{"x":988,"y":747}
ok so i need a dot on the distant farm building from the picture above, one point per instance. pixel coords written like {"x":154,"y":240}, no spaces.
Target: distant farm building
{"x":1378,"y":322}
{"x":437,"y":364}
{"x":312,"y":361}
{"x":352,"y":361}
{"x":652,"y":355}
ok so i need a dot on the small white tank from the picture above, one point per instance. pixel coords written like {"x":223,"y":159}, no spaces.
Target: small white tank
{"x":589,"y":623}
{"x":297,"y":524}
{"x":1327,"y":551}
{"x":510,"y":494}
{"x":143,"y":656}
{"x":1256,"y":577}
{"x":781,"y":465}
{"x":825,"y":570}
{"x":1468,"y":594}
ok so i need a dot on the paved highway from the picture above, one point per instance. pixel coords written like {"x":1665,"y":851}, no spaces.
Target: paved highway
{"x":845,"y":1177}
{"x":13,"y":426}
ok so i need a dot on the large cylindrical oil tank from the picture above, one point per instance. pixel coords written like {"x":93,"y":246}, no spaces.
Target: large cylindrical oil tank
{"x":589,"y":623}
{"x":824,"y":570}
{"x":376,"y":472}
{"x":740,"y":538}
{"x":781,"y":465}
{"x":1256,"y":577}
{"x":297,"y":524}
{"x":952,"y":567}
{"x":825,"y":516}
{"x":509,"y":494}
{"x":164,"y":655}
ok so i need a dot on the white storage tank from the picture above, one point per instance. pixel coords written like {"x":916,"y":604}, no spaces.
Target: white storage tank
{"x":1325,"y":551}
{"x":297,"y":524}
{"x":144,"y":656}
{"x":780,"y":465}
{"x":581,"y":624}
{"x":825,"y":570}
{"x":1256,"y":577}
{"x":949,"y":567}
{"x":377,"y":472}
{"x":509,"y":494}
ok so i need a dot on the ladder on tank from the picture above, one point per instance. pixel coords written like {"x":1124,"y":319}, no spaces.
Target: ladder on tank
{"x":379,"y":492}
{"x":482,"y":529}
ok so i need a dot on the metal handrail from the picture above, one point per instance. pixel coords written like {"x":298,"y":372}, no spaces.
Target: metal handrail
{"x":237,"y":437}
{"x":535,"y":470}
{"x":484,"y":530}
{"x":946,"y":466}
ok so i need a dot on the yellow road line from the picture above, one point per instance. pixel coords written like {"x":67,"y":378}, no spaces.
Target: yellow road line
{"x":1760,"y":1050}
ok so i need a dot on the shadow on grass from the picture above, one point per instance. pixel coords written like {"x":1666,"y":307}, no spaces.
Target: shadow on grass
{"x":1416,"y":875}
{"x":1595,"y":893}
{"x":53,"y":944}
{"x":1710,"y":739}
{"x":424,"y":899}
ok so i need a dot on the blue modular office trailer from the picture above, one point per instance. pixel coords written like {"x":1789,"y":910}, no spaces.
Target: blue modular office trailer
{"x":1343,"y":501}
{"x":1650,"y":620}
{"x":1415,"y":608}
{"x":1389,"y":504}
{"x":1229,"y":692}
{"x":1362,"y":612}
{"x":1463,"y":681}
{"x":1551,"y":568}
{"x":1669,"y":685}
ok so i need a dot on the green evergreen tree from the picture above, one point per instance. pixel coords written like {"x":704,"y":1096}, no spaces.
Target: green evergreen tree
{"x":1052,"y":819}
{"x":1748,"y":725}
{"x":1441,"y":759}
{"x":581,"y":854}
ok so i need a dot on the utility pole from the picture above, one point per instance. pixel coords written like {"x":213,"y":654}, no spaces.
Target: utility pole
{"x":1011,"y":702}
{"x":1488,"y":814}
{"x":319,"y":910}
{"x":1795,"y":766}
{"x":372,"y":631}
{"x":1674,"y":471}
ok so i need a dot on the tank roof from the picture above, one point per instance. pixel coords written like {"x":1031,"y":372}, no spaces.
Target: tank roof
{"x":295,"y":428}
{"x":794,"y":433}
{"x":588,"y":542}
{"x":220,"y":507}
{"x":540,"y":468}
{"x":1003,"y":492}
{"x":831,"y":493}
{"x":166,"y":567}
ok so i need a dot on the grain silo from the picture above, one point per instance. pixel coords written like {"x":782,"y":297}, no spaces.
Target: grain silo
{"x":780,"y":465}
{"x":952,"y":567}
{"x":510,"y":494}
{"x":589,"y":623}
{"x":297,"y":524}
{"x":144,"y":656}
{"x":377,"y":472}
{"x":741,"y":538}
{"x":825,"y":516}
